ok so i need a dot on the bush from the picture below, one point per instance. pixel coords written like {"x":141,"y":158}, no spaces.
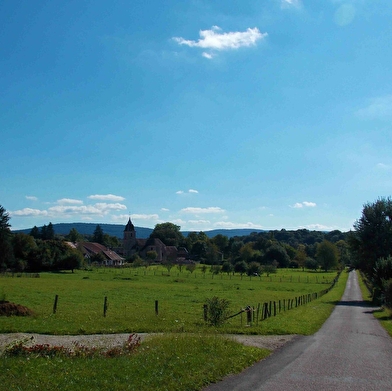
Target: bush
{"x":217,"y":310}
{"x":388,"y":293}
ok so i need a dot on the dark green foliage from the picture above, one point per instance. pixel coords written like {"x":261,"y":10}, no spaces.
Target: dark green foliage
{"x":168,"y":233}
{"x":227,"y":267}
{"x":311,"y":264}
{"x":254,"y":268}
{"x":6,"y":251}
{"x":276,"y":253}
{"x":382,"y":272}
{"x":241,"y":267}
{"x":35,"y":232}
{"x":74,"y":236}
{"x":372,"y":238}
{"x":327,"y":255}
{"x":387,"y":295}
{"x":269,"y":269}
{"x":98,"y":235}
{"x":217,"y":310}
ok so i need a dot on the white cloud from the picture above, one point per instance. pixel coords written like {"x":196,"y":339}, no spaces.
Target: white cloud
{"x":190,"y":191}
{"x":31,"y":198}
{"x":211,"y":209}
{"x":378,"y":108}
{"x":145,"y":217}
{"x":29,"y":212}
{"x":106,"y":197}
{"x":214,"y":39}
{"x":318,"y":227}
{"x":230,"y":225}
{"x":305,"y":204}
{"x":165,"y":210}
{"x":207,"y":55}
{"x":69,"y":201}
{"x":198,"y":222}
{"x":74,"y":209}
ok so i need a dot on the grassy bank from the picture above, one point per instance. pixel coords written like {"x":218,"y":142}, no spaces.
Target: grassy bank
{"x":383,"y":314}
{"x":172,"y":363}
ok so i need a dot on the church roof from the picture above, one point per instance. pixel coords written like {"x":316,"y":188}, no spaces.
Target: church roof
{"x":129,"y":226}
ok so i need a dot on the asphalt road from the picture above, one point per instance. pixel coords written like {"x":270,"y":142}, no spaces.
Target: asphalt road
{"x":350,"y":352}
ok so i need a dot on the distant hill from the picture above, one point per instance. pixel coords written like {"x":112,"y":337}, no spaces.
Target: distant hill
{"x":141,"y":232}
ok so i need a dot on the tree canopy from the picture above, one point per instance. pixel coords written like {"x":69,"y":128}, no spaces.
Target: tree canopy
{"x":168,"y":233}
{"x":372,"y":238}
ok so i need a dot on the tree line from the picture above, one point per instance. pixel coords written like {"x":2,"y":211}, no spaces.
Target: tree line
{"x":368,"y":247}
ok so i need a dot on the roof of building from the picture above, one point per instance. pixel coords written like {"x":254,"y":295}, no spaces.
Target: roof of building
{"x":96,"y":248}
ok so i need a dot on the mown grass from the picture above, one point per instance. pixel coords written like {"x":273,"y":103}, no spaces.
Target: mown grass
{"x":383,"y":314}
{"x":175,"y":362}
{"x":167,"y":363}
{"x":132,"y":294}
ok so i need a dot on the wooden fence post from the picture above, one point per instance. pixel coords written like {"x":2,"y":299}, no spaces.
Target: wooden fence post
{"x":156,"y":307}
{"x":105,"y":306}
{"x":56,"y":298}
{"x":205,"y":312}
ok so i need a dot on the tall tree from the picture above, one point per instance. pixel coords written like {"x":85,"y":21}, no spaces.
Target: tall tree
{"x":301,"y":256}
{"x":372,"y":238}
{"x":327,"y":255}
{"x":74,"y":235}
{"x":35,"y":233}
{"x":6,"y":253}
{"x":98,"y":236}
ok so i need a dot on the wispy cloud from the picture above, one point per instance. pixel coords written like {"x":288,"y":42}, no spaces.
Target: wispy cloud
{"x":145,"y":217}
{"x":165,"y":210}
{"x":106,"y":197}
{"x":61,"y":211}
{"x":190,"y":191}
{"x":290,"y":3}
{"x":31,"y":198}
{"x":305,"y":204}
{"x":230,"y":225}
{"x":378,"y":108}
{"x":69,"y":201}
{"x":29,"y":212}
{"x":215,"y":40}
{"x":196,"y":211}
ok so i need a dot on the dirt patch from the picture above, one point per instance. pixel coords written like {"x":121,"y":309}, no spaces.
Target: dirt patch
{"x":12,"y":309}
{"x":270,"y":342}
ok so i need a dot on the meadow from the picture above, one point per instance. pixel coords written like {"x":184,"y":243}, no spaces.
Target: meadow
{"x":181,"y":359}
{"x":133,"y":294}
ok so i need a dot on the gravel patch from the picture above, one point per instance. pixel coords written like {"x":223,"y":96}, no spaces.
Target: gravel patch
{"x":270,"y":342}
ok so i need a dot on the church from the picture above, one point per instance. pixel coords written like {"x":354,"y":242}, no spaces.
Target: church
{"x":131,"y":245}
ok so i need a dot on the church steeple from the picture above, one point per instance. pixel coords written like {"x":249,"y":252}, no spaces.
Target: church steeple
{"x":129,"y":239}
{"x":129,"y":226}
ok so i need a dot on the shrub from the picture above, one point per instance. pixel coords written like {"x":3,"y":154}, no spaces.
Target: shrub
{"x":217,"y":310}
{"x":388,"y":293}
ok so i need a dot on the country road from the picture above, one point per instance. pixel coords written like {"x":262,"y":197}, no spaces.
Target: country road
{"x":350,"y":352}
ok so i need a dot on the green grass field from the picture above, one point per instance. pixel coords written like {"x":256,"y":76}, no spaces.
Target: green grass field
{"x":172,"y":362}
{"x":132,"y":293}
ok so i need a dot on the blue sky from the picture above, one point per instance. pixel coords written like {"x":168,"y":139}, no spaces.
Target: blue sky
{"x":263,"y":114}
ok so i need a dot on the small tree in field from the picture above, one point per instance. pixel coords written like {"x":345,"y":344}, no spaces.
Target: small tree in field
{"x":327,"y":255}
{"x":191,"y":267}
{"x":151,"y":255}
{"x":217,"y":310}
